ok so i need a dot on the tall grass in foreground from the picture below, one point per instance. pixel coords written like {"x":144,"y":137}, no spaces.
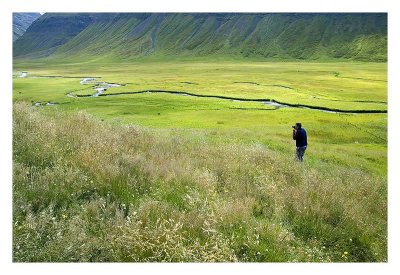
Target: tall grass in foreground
{"x":85,"y":190}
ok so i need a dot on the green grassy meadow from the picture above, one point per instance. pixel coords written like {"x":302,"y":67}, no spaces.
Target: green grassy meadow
{"x":168,"y":177}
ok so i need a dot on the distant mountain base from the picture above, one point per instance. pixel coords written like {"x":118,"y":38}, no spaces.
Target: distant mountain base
{"x":122,"y":36}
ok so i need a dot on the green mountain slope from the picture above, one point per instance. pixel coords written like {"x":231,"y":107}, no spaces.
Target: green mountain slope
{"x":132,"y":35}
{"x":21,"y":21}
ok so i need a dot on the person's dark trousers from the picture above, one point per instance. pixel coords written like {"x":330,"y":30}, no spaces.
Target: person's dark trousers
{"x":300,"y":152}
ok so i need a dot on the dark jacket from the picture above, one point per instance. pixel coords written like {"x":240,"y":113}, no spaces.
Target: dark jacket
{"x":301,"y":137}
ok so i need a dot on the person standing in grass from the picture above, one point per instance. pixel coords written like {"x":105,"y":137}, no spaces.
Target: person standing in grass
{"x":300,"y":136}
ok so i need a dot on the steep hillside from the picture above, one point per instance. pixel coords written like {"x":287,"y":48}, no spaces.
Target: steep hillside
{"x":21,"y":21}
{"x":126,"y":36}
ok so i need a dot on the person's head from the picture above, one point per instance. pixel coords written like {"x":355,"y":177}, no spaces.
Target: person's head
{"x":298,"y":125}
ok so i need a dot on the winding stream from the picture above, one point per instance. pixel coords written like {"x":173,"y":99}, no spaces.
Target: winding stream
{"x":101,"y":87}
{"x":270,"y":102}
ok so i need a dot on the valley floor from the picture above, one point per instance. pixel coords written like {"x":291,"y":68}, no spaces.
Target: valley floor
{"x":167,"y":177}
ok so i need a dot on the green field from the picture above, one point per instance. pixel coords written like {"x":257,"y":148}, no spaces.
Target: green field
{"x":169,"y":177}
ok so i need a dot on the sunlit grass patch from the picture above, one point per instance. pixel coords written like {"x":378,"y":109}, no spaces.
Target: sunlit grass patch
{"x":90,"y":190}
